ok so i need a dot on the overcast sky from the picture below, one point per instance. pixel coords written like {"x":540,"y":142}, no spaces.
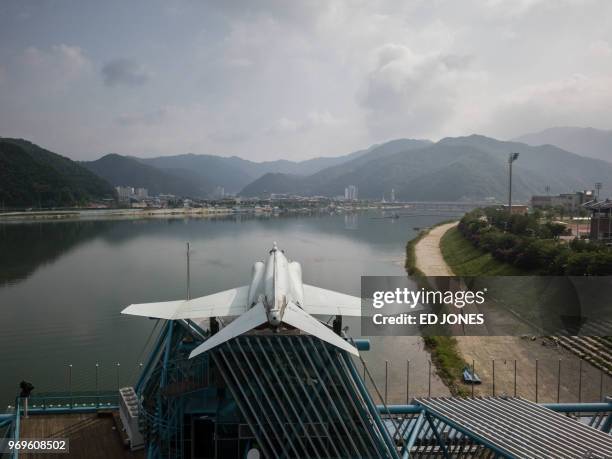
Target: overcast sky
{"x":287,"y":79}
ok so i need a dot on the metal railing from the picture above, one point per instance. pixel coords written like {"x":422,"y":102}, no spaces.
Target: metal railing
{"x":539,"y":380}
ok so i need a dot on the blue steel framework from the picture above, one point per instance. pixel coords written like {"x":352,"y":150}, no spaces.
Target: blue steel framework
{"x":290,"y":395}
{"x":295,"y":396}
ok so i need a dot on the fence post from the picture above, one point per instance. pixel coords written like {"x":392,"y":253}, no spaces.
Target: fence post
{"x":536,"y":382}
{"x":407,"y":382}
{"x":70,"y":383}
{"x":473,"y":375}
{"x":493,"y":377}
{"x":515,"y":377}
{"x":580,"y":381}
{"x":140,"y":365}
{"x":386,"y":379}
{"x":429,"y":381}
{"x":559,"y":382}
{"x":97,"y":387}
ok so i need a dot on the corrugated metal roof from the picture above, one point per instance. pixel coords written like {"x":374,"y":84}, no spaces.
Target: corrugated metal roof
{"x":519,"y":428}
{"x":299,"y":398}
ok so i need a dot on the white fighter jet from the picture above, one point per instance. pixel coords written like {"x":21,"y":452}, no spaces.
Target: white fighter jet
{"x":276,"y":298}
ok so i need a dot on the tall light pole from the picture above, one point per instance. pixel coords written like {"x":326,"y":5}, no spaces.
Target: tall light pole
{"x":597,"y":188}
{"x":511,"y":158}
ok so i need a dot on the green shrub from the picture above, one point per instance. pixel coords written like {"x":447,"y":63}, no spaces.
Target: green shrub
{"x":521,"y":240}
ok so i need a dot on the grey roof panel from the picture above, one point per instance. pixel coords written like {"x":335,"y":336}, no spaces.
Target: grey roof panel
{"x":521,"y":428}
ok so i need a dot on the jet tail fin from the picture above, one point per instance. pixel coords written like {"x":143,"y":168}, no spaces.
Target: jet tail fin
{"x":298,"y":318}
{"x":254,"y":317}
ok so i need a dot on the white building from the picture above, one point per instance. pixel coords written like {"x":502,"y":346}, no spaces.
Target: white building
{"x":124,"y":192}
{"x":142,"y":193}
{"x":350,"y":193}
{"x":392,"y":195}
{"x":219,"y":192}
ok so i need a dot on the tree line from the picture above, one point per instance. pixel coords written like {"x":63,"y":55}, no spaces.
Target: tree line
{"x":532,"y":244}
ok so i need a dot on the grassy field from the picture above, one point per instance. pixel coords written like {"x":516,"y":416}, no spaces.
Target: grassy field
{"x":467,"y":260}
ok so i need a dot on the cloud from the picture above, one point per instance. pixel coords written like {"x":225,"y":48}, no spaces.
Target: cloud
{"x":52,"y":69}
{"x":297,"y":79}
{"x":124,"y":72}
{"x":313,"y":120}
{"x":239,"y":62}
{"x":284,"y":124}
{"x":142,"y":119}
{"x":410,"y":92}
{"x":515,"y":8}
{"x":578,"y":100}
{"x":600,"y":49}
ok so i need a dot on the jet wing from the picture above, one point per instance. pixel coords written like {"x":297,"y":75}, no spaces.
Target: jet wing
{"x":228,"y":303}
{"x":324,"y":302}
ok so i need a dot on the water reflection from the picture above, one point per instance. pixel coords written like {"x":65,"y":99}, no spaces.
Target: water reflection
{"x":64,"y":283}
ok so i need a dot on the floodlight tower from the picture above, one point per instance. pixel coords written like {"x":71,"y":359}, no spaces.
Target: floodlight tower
{"x":598,"y":188}
{"x":511,"y":158}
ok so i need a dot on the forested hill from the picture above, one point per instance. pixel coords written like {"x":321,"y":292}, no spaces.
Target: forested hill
{"x":31,"y":176}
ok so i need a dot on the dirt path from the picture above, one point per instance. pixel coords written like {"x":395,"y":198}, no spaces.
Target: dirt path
{"x":537,"y":360}
{"x":429,"y":259}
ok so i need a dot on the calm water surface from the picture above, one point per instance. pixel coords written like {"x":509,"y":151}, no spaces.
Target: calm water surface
{"x":63,"y":284}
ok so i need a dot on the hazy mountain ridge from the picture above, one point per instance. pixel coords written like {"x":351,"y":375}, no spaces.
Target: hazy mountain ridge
{"x":32,"y":176}
{"x":234,"y":173}
{"x":473,"y":167}
{"x":332,"y":180}
{"x":126,"y":171}
{"x":595,"y":143}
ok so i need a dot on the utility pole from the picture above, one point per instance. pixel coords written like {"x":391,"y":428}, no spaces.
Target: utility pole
{"x":597,"y":188}
{"x":188,"y":275}
{"x":511,"y":158}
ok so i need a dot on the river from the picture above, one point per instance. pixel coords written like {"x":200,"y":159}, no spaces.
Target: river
{"x":64,"y":283}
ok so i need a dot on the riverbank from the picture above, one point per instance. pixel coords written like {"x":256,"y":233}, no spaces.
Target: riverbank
{"x":534,"y":368}
{"x":113,"y":213}
{"x":423,"y":258}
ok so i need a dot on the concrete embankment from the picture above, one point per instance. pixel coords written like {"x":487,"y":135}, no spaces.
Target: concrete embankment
{"x":112,"y":213}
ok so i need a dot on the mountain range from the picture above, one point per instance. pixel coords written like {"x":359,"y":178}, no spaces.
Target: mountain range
{"x":459,"y":168}
{"x":127,"y":171}
{"x":234,"y":173}
{"x":198,"y":175}
{"x":596,"y":143}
